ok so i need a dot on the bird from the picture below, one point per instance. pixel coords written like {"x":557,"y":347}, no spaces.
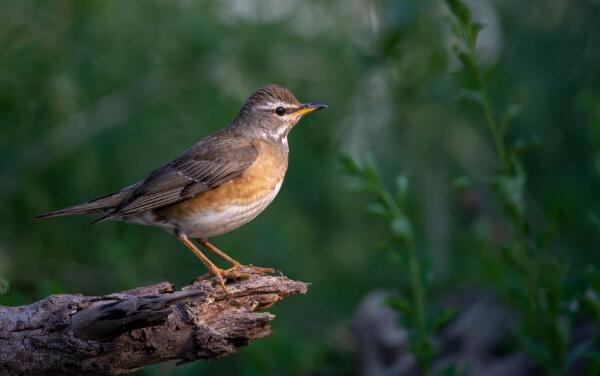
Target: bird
{"x":217,"y":185}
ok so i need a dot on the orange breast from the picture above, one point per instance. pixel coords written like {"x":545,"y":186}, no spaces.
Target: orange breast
{"x":257,"y":182}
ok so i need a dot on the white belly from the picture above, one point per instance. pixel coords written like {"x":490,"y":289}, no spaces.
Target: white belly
{"x":213,"y":222}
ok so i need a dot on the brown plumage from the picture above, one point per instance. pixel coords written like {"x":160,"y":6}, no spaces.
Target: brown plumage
{"x":219,"y":184}
{"x":255,"y":182}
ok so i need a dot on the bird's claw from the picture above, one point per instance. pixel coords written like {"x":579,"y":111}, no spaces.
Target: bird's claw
{"x":235,"y":273}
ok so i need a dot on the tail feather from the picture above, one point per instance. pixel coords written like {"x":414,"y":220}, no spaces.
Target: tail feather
{"x":99,"y":205}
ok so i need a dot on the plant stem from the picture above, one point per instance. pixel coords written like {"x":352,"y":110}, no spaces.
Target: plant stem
{"x":419,"y":297}
{"x":388,"y":200}
{"x":416,"y":285}
{"x":486,"y":104}
{"x":519,"y":222}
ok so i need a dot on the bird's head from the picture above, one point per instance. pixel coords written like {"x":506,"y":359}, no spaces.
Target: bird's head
{"x":272,"y":111}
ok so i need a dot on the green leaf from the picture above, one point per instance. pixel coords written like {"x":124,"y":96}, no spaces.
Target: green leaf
{"x":443,"y":319}
{"x":476,"y":28}
{"x":349,"y":165}
{"x":401,"y":227}
{"x":515,"y":255}
{"x":401,"y":305}
{"x":378,"y":209}
{"x":370,"y":170}
{"x":390,"y":42}
{"x":470,"y":71}
{"x":362,"y":186}
{"x":401,"y":187}
{"x":460,"y":11}
{"x":472,"y":96}
{"x":510,"y":189}
{"x":512,"y":111}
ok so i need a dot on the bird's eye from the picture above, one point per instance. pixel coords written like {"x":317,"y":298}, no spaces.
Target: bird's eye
{"x":280,"y":111}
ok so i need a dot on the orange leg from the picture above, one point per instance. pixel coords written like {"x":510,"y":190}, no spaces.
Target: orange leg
{"x":234,"y":263}
{"x":219,"y":253}
{"x":209,"y":264}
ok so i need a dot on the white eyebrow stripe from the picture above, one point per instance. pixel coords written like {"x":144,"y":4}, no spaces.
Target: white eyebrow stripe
{"x":272,"y":105}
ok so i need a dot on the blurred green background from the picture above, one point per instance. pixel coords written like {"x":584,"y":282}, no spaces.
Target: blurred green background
{"x":95,"y":94}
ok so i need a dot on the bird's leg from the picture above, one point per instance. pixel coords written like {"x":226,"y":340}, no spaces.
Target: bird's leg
{"x":234,"y":271}
{"x":219,"y":253}
{"x":216,"y":271}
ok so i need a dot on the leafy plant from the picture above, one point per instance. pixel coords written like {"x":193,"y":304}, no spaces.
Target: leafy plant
{"x":421,"y":322}
{"x":539,"y":296}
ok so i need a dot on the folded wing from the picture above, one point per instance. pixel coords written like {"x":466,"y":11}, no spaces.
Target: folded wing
{"x":210,"y":163}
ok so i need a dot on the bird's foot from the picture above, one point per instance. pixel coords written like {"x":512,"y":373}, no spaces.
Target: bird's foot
{"x":240,"y":271}
{"x":255,"y":269}
{"x":236,"y":272}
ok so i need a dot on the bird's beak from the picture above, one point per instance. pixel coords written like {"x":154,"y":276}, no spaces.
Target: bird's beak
{"x":307,"y":108}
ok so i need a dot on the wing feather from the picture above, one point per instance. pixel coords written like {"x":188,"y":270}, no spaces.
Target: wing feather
{"x":210,"y":163}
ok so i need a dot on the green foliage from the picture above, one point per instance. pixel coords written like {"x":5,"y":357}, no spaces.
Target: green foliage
{"x":540,"y":298}
{"x":419,"y":318}
{"x":95,"y":94}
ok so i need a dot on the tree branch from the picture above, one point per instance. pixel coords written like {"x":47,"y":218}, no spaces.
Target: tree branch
{"x":122,"y":332}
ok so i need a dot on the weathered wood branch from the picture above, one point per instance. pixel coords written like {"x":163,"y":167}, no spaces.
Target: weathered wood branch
{"x":122,"y":332}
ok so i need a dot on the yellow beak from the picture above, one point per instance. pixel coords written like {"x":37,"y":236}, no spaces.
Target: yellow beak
{"x":307,"y":108}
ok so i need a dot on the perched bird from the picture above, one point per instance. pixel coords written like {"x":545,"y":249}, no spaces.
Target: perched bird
{"x":221,"y":183}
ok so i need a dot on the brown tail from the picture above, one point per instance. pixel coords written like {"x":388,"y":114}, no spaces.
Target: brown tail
{"x":99,"y":205}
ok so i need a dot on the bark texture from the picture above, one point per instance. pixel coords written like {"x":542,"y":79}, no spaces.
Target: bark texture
{"x":122,"y":332}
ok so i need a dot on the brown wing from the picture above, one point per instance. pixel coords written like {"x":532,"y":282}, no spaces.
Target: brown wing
{"x":212,"y":162}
